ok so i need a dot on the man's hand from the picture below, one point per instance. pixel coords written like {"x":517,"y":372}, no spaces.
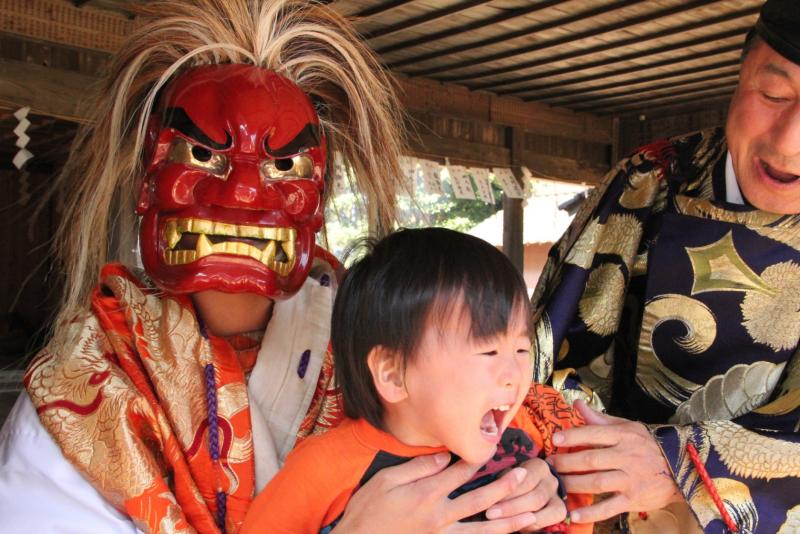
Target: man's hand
{"x":622,"y":458}
{"x":538,"y":493}
{"x":412,"y":497}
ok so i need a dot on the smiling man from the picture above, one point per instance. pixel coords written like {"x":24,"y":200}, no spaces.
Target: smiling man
{"x":675,"y":297}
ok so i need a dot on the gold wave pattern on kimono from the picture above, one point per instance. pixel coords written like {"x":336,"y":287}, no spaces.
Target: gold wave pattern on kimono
{"x":652,"y":375}
{"x":749,"y":454}
{"x":699,"y":207}
{"x":781,"y":235}
{"x":735,"y":495}
{"x":741,"y":389}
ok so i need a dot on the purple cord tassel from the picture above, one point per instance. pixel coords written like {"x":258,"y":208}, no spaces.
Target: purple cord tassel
{"x":213,"y":437}
{"x":222,"y":501}
{"x":213,"y":424}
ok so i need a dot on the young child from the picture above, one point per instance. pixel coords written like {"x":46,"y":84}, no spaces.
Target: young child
{"x":432,"y":353}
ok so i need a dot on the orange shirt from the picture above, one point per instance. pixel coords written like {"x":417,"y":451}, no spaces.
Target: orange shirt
{"x":310,"y":492}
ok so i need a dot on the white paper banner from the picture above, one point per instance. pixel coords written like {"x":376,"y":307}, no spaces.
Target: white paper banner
{"x":408,"y":166}
{"x":481,"y":177}
{"x":22,"y":157}
{"x":430,"y":177}
{"x":462,"y":183}
{"x":506,"y":180}
{"x":341,"y":185}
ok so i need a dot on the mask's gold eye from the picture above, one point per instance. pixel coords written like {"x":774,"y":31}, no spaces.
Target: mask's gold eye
{"x":299,"y":166}
{"x":199,"y":157}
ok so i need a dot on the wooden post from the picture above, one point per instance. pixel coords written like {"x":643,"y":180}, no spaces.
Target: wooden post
{"x":512,"y":207}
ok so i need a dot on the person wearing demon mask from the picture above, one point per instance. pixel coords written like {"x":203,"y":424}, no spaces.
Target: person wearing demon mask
{"x":167,"y":399}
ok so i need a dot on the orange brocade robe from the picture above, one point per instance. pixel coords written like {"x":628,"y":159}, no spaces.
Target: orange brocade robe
{"x":127,"y":405}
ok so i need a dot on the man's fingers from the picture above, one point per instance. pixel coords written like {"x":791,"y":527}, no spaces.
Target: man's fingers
{"x":419,"y":468}
{"x":537,"y":492}
{"x":496,"y":526}
{"x":594,"y":483}
{"x":589,"y":436}
{"x":593,"y":417}
{"x":589,"y":460}
{"x":536,"y":471}
{"x":555,"y":511}
{"x":481,"y":499}
{"x":442,"y":484}
{"x":600,"y":510}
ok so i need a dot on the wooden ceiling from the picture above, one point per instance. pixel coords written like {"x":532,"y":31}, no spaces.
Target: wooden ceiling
{"x":598,"y":56}
{"x":562,"y":70}
{"x":612,"y":57}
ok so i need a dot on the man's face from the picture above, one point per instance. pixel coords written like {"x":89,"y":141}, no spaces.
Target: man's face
{"x":231,"y":200}
{"x":763,"y":131}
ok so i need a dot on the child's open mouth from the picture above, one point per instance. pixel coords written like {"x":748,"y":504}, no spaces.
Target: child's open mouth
{"x":492,"y":421}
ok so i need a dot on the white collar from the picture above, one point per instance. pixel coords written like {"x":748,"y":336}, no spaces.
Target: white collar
{"x":279,"y":395}
{"x":733,"y":195}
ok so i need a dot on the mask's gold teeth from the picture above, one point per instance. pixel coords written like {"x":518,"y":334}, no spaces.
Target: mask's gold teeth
{"x":268,"y":255}
{"x":225,"y":229}
{"x":285,"y":238}
{"x":197,"y":226}
{"x":173,"y":236}
{"x":203,"y":247}
{"x":288,"y":249}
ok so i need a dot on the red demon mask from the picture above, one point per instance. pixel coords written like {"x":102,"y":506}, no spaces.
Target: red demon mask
{"x":232,"y":197}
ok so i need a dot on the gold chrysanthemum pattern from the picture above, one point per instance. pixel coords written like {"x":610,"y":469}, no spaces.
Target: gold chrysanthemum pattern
{"x":602,"y":300}
{"x":775,"y":320}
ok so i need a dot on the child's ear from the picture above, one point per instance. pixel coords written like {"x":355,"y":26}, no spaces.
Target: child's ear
{"x":386,"y":367}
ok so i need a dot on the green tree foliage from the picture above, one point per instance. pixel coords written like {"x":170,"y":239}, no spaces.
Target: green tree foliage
{"x":345,"y":217}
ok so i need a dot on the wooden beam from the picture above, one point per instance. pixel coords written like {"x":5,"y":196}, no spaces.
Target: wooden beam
{"x":429,"y":96}
{"x":563,"y":169}
{"x":459,"y":152}
{"x":513,"y":220}
{"x":428,"y":38}
{"x":562,"y":94}
{"x":59,"y":93}
{"x":708,"y":91}
{"x":50,"y":92}
{"x":436,"y":147}
{"x":610,"y":73}
{"x":503,"y":38}
{"x":425,"y":18}
{"x":517,"y":66}
{"x":542,"y":45}
{"x":58,"y":21}
{"x":380,"y":8}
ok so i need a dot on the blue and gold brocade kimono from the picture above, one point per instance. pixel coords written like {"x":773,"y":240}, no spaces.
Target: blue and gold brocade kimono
{"x":681,"y":310}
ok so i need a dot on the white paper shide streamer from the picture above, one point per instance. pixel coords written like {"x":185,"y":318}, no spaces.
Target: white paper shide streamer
{"x":22,"y":157}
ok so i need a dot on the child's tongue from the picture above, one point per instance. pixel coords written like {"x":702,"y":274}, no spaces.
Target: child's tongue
{"x":488,"y":424}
